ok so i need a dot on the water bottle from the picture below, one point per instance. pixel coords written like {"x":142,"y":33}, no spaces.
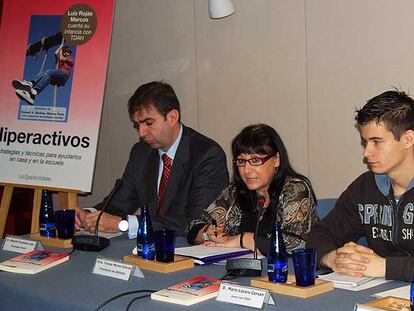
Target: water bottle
{"x":47,"y":225}
{"x":145,"y":236}
{"x":277,"y":258}
{"x":412,"y":293}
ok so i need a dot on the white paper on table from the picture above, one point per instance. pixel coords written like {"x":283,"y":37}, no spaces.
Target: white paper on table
{"x":201,"y":251}
{"x":399,"y":292}
{"x":198,"y":252}
{"x":210,"y":254}
{"x":340,"y":278}
{"x":364,"y":307}
{"x":369,"y":284}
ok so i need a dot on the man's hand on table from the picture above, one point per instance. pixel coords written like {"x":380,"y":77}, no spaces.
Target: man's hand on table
{"x":355,"y":260}
{"x":87,"y":221}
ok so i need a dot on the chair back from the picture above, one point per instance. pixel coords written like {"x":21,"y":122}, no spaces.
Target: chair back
{"x":325,"y":206}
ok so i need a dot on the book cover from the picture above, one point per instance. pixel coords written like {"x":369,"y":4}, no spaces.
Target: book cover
{"x":34,"y":261}
{"x":189,"y":292}
{"x":54,"y":60}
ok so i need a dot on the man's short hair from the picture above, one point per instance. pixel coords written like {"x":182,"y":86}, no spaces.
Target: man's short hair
{"x":395,"y":109}
{"x":158,"y":94}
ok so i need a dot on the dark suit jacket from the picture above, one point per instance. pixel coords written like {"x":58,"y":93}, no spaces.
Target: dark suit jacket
{"x":199,"y":174}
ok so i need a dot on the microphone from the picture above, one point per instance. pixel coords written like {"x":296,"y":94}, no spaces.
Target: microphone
{"x":239,"y":267}
{"x":95,"y":243}
{"x":261,"y":200}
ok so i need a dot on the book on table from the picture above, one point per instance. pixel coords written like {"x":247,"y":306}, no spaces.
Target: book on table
{"x":189,"y":292}
{"x":34,"y":262}
{"x":343,"y":279}
{"x":402,"y":292}
{"x":388,"y":303}
{"x":204,"y":255}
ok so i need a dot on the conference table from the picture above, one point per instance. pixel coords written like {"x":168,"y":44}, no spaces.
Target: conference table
{"x":73,"y":286}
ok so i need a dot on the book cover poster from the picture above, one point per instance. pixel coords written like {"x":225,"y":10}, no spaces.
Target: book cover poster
{"x":42,"y":72}
{"x":54,"y":60}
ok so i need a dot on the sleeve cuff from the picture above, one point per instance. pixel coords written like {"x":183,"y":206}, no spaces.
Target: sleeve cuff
{"x":90,"y":209}
{"x":132,"y":226}
{"x":399,"y":268}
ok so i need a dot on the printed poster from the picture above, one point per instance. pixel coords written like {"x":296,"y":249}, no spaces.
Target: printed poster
{"x":54,"y":59}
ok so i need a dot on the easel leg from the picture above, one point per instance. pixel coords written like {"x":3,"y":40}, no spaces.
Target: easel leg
{"x":36,"y":210}
{"x":68,"y":199}
{"x":72,"y":199}
{"x":4,"y":207}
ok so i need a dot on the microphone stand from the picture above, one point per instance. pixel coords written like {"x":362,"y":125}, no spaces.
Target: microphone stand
{"x":260,"y":204}
{"x":95,"y":243}
{"x":249,"y":267}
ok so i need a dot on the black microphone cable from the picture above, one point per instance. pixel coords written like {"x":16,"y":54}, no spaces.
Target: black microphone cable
{"x":231,"y":276}
{"x":124,"y":294}
{"x":135,"y":299}
{"x":118,"y":183}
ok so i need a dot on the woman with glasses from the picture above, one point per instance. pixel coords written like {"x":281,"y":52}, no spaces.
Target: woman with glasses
{"x":262,"y":176}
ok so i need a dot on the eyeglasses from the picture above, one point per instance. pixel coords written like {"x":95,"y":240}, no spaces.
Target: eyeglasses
{"x":255,"y":161}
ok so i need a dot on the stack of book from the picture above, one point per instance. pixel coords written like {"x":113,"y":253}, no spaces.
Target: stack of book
{"x":189,"y":292}
{"x":387,"y":303}
{"x":34,"y":261}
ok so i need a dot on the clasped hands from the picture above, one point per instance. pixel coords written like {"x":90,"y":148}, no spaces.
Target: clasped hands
{"x":87,"y":221}
{"x":355,"y":260}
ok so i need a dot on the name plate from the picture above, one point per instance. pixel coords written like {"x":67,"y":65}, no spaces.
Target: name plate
{"x":18,"y":245}
{"x":243,"y":295}
{"x":115,"y":268}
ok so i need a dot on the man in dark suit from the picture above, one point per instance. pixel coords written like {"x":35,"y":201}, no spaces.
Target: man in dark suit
{"x":174,"y":170}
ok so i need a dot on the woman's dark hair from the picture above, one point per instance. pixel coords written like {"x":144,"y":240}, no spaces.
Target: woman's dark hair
{"x":261,"y":139}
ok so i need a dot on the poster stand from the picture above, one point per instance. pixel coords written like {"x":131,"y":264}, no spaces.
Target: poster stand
{"x":68,"y":198}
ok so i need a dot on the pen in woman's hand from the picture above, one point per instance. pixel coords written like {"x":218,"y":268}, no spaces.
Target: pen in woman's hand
{"x":214,"y":225}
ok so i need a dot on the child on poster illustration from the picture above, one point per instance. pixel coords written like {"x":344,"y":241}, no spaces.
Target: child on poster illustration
{"x":45,"y":89}
{"x":27,"y":90}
